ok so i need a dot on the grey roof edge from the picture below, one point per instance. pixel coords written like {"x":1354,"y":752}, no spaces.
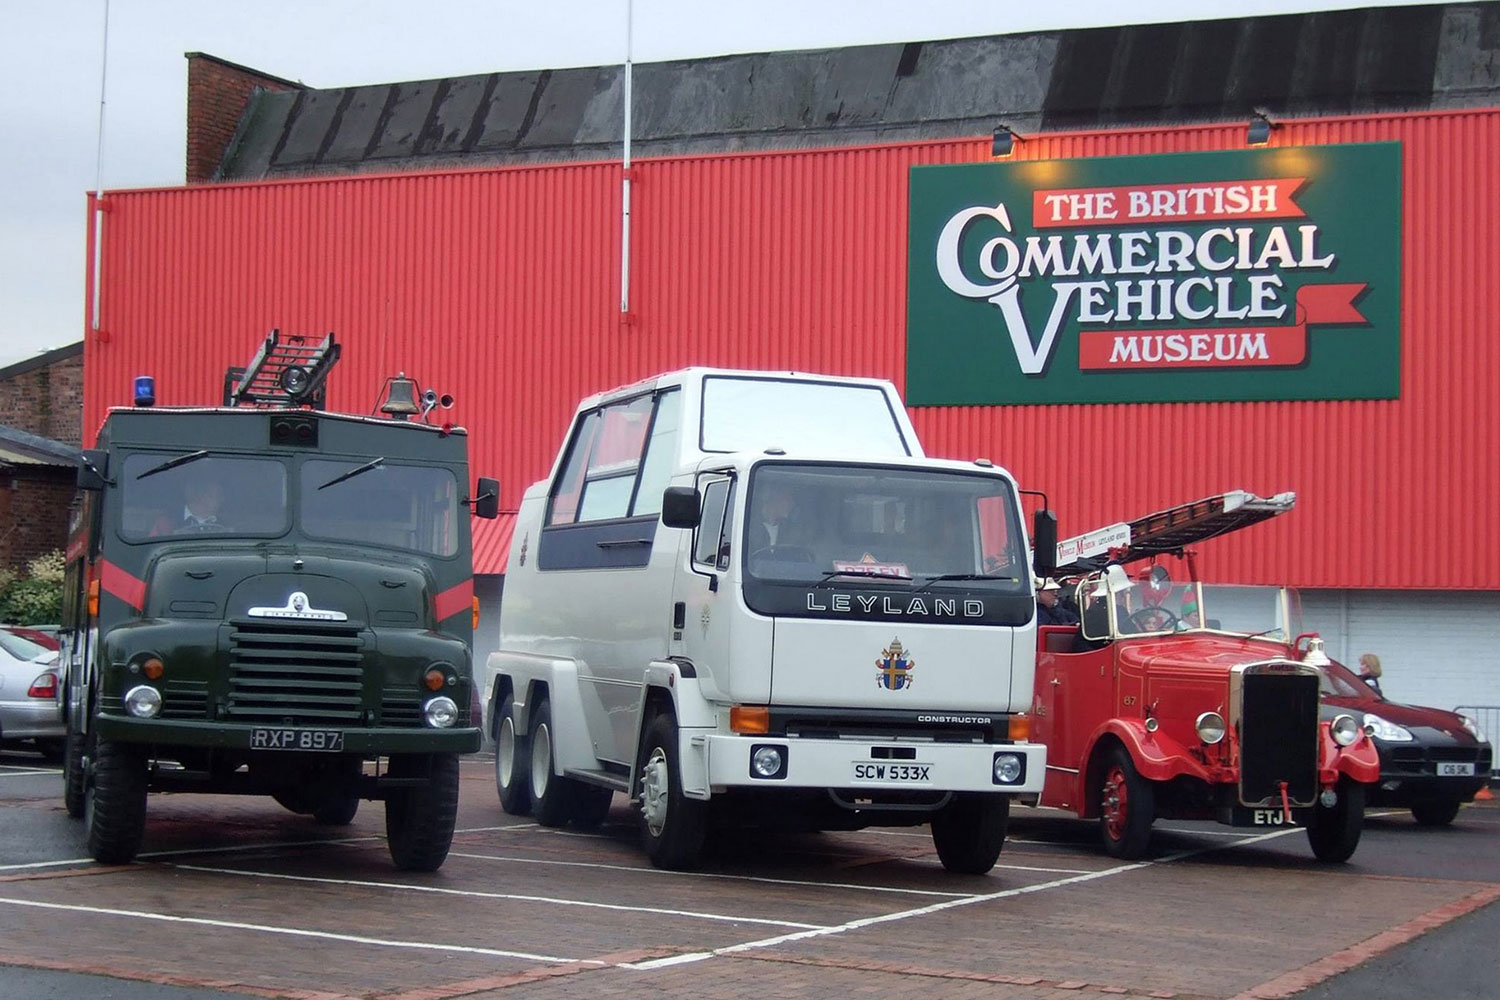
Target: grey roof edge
{"x":44,"y":450}
{"x":43,"y":360}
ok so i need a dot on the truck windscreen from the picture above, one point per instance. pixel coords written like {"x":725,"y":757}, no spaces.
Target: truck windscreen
{"x":189,"y":493}
{"x":410,"y":507}
{"x":901,"y":528}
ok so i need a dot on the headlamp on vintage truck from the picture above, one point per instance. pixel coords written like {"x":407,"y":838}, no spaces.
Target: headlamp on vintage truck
{"x":440,"y":712}
{"x":1210,"y":726}
{"x":143,"y":701}
{"x":1345,"y":730}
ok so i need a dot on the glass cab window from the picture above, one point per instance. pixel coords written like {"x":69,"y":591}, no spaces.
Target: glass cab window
{"x":1153,"y":603}
{"x":748,"y":414}
{"x":193,"y":493}
{"x":715,"y":530}
{"x":413,"y":507}
{"x":805,"y":522}
{"x":619,"y":461}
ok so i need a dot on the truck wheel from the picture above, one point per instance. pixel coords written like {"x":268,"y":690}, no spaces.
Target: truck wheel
{"x":419,"y":818}
{"x":512,"y":761}
{"x":74,"y":773}
{"x":969,"y":832}
{"x":1334,"y":833}
{"x":673,"y":826}
{"x":1439,"y":813}
{"x":551,"y":797}
{"x":339,"y":800}
{"x":1127,"y":807}
{"x":115,"y":803}
{"x":294,"y":799}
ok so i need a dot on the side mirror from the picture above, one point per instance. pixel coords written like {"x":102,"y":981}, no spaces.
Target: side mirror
{"x":487,"y":498}
{"x":681,"y":507}
{"x":93,"y":469}
{"x":1044,"y":542}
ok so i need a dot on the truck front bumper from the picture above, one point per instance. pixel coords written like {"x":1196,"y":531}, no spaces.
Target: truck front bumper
{"x":362,"y":740}
{"x":720,"y":761}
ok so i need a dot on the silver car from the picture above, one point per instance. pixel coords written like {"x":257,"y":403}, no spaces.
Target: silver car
{"x":30,"y":703}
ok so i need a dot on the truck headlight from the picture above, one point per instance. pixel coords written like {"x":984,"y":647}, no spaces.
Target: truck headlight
{"x":1345,"y":730}
{"x":143,"y":701}
{"x":767,"y":761}
{"x":440,"y":712}
{"x":1388,"y":731}
{"x":1210,"y":726}
{"x":1009,"y":768}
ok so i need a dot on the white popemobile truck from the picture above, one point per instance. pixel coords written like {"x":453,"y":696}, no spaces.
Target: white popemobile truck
{"x":748,"y":598}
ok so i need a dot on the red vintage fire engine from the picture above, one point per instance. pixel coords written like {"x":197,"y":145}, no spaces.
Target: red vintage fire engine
{"x":1174,"y":698}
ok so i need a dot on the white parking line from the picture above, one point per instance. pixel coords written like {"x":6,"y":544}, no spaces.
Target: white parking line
{"x":864,"y":922}
{"x":299,"y":932}
{"x":514,"y":897}
{"x":16,"y":771}
{"x":643,"y":870}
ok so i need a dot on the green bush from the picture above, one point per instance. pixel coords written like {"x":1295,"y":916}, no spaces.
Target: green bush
{"x":36,"y":598}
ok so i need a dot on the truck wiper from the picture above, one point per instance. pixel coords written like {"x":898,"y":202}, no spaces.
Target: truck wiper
{"x":373,"y":463}
{"x":941,"y":577}
{"x":173,"y":463}
{"x":850,"y":572}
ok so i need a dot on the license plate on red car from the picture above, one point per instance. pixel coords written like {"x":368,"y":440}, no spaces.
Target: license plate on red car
{"x":317,"y":740}
{"x":1454,"y":769}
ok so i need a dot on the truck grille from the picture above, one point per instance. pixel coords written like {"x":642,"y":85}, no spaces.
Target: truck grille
{"x":184,"y":700}
{"x":1278,"y":735}
{"x":295,"y":674}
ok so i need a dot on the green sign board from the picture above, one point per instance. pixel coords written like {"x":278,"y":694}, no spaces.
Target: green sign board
{"x":1248,"y":274}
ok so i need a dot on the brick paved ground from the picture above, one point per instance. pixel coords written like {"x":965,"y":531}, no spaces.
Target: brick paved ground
{"x":273,"y":905}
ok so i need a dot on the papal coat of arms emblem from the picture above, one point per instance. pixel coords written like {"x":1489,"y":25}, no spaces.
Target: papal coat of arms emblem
{"x":893,"y":669}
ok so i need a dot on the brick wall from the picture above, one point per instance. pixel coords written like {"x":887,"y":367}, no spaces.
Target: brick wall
{"x":46,"y":400}
{"x":33,"y":514}
{"x":217,"y":95}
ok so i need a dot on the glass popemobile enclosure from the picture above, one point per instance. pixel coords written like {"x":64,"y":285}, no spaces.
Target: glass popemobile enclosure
{"x":748,"y":597}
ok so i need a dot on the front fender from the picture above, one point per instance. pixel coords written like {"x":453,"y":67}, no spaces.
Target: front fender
{"x":1358,"y":762}
{"x":1157,"y":756}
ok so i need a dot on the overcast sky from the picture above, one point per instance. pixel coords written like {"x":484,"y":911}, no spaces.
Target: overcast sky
{"x":52,"y":52}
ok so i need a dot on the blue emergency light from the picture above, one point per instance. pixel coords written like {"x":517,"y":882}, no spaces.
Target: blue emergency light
{"x":145,"y":390}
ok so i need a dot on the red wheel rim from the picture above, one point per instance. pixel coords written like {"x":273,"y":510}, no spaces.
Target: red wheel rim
{"x":1114,"y":803}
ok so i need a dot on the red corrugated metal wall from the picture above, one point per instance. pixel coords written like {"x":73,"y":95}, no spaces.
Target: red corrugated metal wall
{"x":502,"y":287}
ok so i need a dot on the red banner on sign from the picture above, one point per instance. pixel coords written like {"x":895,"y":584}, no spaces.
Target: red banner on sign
{"x":1225,"y":346}
{"x":1204,"y":201}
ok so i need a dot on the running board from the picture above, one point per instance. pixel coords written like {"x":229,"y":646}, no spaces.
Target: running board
{"x":603,"y":779}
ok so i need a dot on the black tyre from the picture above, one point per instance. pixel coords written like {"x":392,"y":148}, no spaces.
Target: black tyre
{"x":338,"y":800}
{"x":590,"y":805}
{"x":969,"y":832}
{"x":1436,"y":813}
{"x":294,"y":798}
{"x":419,"y":818}
{"x":550,"y":795}
{"x":1127,"y":807}
{"x":673,"y":827}
{"x":115,"y":802}
{"x":512,"y":761}
{"x":75,"y":773}
{"x":1334,"y":833}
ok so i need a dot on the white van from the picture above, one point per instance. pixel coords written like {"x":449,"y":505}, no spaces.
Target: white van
{"x":747,"y":597}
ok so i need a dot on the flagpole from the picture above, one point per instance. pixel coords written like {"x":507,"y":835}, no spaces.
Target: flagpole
{"x":625,"y":165}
